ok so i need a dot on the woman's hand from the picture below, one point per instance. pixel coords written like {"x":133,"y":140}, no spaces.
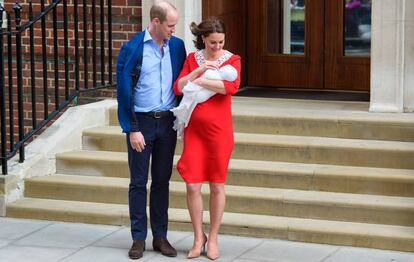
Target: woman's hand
{"x":205,"y":66}
{"x":211,"y":65}
{"x":199,"y":81}
{"x":195,"y":74}
{"x":213,"y":85}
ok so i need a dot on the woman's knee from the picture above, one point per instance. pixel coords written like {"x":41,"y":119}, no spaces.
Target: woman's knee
{"x":194,"y":189}
{"x":216,"y":188}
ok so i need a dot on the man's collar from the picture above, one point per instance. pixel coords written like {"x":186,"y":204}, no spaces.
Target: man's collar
{"x":148,"y":37}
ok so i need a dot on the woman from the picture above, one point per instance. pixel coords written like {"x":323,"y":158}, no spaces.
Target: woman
{"x":208,"y":137}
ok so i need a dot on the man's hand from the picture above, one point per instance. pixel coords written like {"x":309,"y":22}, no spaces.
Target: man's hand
{"x":137,"y":141}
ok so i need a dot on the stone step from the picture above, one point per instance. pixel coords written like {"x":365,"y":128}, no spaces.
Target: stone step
{"x":314,"y":118}
{"x":348,"y":179}
{"x":303,"y":149}
{"x":239,"y":199}
{"x":294,"y":229}
{"x":323,"y":150}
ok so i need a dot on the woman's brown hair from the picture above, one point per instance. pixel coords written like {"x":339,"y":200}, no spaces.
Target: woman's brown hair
{"x":205,"y":28}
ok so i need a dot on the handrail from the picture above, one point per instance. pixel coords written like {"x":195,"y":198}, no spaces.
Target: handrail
{"x":41,"y":14}
{"x":59,"y":85}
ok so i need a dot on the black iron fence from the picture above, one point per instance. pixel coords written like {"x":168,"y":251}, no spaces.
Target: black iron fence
{"x":43,"y":68}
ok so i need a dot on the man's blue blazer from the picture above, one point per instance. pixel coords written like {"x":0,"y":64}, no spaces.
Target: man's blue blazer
{"x":127,"y":60}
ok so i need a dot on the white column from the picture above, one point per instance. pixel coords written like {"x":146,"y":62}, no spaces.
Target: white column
{"x":392,"y":56}
{"x":189,"y":11}
{"x":409,"y":58}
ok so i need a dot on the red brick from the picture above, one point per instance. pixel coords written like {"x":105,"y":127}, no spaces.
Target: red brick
{"x":119,"y":2}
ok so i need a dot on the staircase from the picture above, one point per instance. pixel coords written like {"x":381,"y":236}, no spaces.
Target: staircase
{"x":323,"y":172}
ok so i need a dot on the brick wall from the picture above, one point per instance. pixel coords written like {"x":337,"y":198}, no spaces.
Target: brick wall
{"x":126,"y":21}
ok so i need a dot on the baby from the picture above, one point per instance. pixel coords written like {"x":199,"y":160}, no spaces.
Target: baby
{"x":194,"y":94}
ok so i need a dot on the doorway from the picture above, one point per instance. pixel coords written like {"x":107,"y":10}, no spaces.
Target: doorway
{"x":306,"y":44}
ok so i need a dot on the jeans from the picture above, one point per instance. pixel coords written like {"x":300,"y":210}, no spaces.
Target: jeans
{"x":160,"y":139}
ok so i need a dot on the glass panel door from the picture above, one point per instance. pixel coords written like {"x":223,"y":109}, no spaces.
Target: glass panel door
{"x":282,"y":50}
{"x":357,"y":27}
{"x":285,"y":26}
{"x":315,"y":44}
{"x":347,"y":45}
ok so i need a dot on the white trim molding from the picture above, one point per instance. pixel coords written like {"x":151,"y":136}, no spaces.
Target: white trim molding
{"x":392,"y":56}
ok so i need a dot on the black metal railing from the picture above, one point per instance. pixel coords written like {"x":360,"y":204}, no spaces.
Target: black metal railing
{"x":42,"y":78}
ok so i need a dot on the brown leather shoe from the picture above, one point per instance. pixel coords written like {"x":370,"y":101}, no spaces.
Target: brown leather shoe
{"x":137,"y":249}
{"x":163,"y":246}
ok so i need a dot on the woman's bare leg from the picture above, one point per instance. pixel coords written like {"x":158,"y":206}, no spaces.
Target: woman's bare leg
{"x":195,"y":208}
{"x":217,"y":203}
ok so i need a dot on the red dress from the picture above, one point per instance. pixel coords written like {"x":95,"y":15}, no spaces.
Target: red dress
{"x":208,"y":138}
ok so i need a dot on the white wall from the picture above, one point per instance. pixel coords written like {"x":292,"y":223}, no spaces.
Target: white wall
{"x":189,"y":11}
{"x":4,"y":15}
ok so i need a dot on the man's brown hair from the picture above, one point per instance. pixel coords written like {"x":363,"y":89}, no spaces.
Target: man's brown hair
{"x":160,"y":9}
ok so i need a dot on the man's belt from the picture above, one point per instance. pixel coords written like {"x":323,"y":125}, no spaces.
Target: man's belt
{"x":157,"y":114}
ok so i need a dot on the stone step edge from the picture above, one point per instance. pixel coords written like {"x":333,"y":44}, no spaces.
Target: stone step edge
{"x":295,"y":229}
{"x":312,"y":115}
{"x":262,"y":166}
{"x":328,"y":199}
{"x":286,"y":140}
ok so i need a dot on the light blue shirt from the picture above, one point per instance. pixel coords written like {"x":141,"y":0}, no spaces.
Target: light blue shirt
{"x":154,"y":91}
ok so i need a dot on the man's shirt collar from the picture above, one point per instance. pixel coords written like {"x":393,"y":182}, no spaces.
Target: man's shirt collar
{"x":148,"y":37}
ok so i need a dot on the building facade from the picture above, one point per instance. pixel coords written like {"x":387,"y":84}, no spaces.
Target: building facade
{"x":347,"y":45}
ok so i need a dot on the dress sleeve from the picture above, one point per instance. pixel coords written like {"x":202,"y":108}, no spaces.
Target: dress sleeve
{"x":232,"y":86}
{"x":184,"y":71}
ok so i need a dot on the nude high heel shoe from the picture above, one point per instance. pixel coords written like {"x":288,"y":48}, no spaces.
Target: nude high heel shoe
{"x":197,"y":253}
{"x":213,"y":256}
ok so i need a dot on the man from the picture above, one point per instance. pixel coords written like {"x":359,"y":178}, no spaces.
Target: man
{"x":147,"y":66}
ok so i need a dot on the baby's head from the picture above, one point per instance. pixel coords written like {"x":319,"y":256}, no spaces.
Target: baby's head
{"x":227,"y":72}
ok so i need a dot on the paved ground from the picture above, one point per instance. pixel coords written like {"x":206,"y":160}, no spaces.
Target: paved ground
{"x":44,"y":241}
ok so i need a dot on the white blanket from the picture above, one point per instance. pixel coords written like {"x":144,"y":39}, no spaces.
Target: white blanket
{"x":194,"y":94}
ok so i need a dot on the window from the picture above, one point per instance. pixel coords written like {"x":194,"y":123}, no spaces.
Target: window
{"x":286,"y":26}
{"x":357,"y":27}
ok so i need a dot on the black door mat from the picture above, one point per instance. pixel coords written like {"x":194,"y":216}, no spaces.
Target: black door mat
{"x":304,"y":94}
